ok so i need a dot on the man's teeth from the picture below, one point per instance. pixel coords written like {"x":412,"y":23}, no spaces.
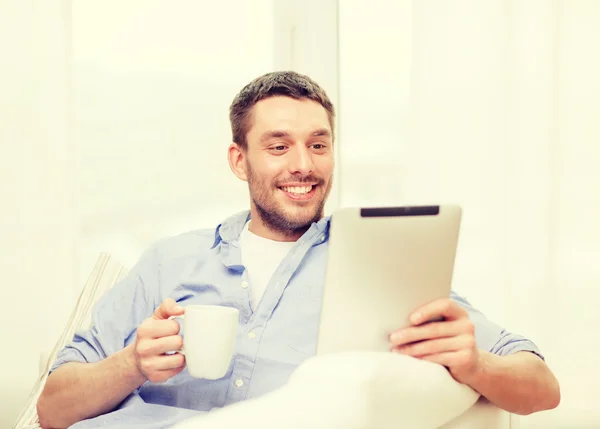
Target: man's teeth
{"x":297,"y":189}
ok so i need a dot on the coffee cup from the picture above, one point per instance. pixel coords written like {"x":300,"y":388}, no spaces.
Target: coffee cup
{"x":209,"y":335}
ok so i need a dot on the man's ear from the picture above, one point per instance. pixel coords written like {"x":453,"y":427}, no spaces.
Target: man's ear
{"x":236,"y":156}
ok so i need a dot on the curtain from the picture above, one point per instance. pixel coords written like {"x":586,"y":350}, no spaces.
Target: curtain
{"x":494,"y":105}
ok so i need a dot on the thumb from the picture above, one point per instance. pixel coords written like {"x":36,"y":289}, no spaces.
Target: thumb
{"x":167,"y":309}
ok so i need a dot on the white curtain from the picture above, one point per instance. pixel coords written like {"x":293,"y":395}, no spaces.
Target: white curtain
{"x":494,"y":105}
{"x":152,"y":84}
{"x":37,"y":218}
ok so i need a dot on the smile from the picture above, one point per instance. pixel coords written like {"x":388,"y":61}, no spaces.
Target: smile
{"x":298,"y":190}
{"x":299,"y":193}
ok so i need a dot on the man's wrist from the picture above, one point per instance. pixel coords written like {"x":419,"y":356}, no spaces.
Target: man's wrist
{"x":476,"y":375}
{"x":131,"y":367}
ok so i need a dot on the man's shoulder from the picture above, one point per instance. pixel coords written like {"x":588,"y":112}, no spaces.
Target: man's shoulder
{"x":190,"y":244}
{"x":197,"y":243}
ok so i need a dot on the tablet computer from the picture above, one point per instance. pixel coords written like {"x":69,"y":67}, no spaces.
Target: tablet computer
{"x":382,"y":264}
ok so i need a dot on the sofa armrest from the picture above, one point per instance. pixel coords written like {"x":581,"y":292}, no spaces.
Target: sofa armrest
{"x":104,"y":275}
{"x":43,"y":361}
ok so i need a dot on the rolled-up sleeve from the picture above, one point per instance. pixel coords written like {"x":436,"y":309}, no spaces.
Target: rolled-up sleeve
{"x":116,"y":315}
{"x":493,"y":338}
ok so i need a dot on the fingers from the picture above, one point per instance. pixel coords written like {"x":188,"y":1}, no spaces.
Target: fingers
{"x":159,"y":324}
{"x":431,"y":331}
{"x":437,"y":346}
{"x":161,"y":376}
{"x":453,"y":360}
{"x":450,"y":342}
{"x":159,"y":346}
{"x":162,"y":362}
{"x":167,"y":309}
{"x":157,"y":336}
{"x":445,"y":307}
{"x":151,"y":359}
{"x":152,"y":328}
{"x":161,"y":368}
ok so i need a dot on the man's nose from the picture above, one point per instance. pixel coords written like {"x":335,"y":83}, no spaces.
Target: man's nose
{"x":301,"y":161}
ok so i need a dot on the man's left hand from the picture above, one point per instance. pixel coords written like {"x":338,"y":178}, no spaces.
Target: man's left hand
{"x":450,"y":342}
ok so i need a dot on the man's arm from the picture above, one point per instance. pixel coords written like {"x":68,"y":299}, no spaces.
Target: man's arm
{"x":77,"y":391}
{"x":520,"y":383}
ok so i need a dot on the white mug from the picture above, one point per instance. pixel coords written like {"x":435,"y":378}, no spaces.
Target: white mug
{"x":209,"y":339}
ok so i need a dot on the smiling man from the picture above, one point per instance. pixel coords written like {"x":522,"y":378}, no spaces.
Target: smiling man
{"x":268,"y":262}
{"x":288,"y":164}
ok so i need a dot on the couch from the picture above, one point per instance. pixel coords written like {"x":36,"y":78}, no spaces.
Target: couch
{"x":352,"y":390}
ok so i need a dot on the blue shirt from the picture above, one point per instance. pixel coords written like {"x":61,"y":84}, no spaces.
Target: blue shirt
{"x":205,"y":267}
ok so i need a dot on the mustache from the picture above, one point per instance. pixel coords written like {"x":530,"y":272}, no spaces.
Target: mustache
{"x":306,"y":179}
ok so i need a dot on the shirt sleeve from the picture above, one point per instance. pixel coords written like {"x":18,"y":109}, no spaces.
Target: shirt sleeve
{"x":493,"y":338}
{"x":116,"y":315}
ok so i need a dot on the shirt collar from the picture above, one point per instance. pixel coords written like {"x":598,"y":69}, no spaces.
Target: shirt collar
{"x":232,"y":227}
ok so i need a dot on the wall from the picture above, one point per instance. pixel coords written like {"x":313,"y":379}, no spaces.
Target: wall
{"x":37,"y":232}
{"x":151,"y":106}
{"x":492,"y":105}
{"x":151,"y":121}
{"x":114,"y":133}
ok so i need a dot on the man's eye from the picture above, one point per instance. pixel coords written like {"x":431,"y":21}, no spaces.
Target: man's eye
{"x":279,"y":148}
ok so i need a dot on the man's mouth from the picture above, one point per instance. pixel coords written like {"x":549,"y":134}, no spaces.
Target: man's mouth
{"x":297,"y":190}
{"x":303,"y":192}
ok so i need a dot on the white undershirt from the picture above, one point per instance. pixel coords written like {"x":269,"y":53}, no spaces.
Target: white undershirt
{"x":261,"y":257}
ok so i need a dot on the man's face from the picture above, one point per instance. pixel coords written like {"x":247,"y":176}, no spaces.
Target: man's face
{"x":289,"y":162}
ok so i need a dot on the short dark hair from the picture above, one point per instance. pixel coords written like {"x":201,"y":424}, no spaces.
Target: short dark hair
{"x":286,"y":83}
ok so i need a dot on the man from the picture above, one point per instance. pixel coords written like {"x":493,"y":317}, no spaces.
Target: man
{"x":270,"y":264}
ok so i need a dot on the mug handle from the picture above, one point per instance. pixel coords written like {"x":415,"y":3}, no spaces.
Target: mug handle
{"x":180,"y":351}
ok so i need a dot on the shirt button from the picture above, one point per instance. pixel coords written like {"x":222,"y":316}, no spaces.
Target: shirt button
{"x":251,"y":334}
{"x":239,"y":382}
{"x":322,"y":238}
{"x":244,"y":285}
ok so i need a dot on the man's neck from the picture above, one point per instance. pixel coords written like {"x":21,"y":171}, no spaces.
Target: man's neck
{"x":258,"y":227}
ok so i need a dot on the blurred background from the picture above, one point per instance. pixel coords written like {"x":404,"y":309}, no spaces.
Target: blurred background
{"x":114,"y":128}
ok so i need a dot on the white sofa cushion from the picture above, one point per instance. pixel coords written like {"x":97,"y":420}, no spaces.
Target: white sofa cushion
{"x":358,"y":390}
{"x":483,"y":415}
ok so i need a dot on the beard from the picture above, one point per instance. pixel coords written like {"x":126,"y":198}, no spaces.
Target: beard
{"x":275,"y":216}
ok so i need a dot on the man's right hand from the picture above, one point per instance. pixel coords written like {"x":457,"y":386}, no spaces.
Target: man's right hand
{"x":156,"y":336}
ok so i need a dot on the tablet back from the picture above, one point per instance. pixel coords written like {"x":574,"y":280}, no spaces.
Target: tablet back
{"x":383,"y":263}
